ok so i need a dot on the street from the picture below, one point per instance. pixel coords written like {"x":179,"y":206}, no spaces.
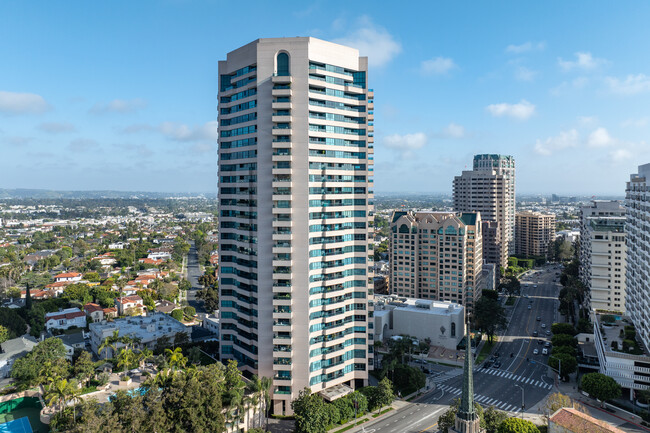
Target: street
{"x":498,"y":387}
{"x":193,"y":274}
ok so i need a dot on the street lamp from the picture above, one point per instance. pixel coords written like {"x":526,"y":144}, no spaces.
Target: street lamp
{"x":523,"y":402}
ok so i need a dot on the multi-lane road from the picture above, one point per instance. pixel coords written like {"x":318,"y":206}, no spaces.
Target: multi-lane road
{"x":500,"y":387}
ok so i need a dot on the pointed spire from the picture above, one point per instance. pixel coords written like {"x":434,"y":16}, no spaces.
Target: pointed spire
{"x":466,"y":410}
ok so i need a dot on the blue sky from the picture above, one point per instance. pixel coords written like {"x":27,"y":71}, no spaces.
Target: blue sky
{"x":122,"y":95}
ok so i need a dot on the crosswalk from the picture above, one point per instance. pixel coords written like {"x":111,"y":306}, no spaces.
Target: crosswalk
{"x":483,"y":400}
{"x":450,"y":374}
{"x":507,"y":375}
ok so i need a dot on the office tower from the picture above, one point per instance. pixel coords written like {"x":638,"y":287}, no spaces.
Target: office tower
{"x":492,"y":245}
{"x":295,"y":206}
{"x":603,"y":255}
{"x":637,"y":206}
{"x":436,"y":255}
{"x":490,"y":189}
{"x":534,"y":231}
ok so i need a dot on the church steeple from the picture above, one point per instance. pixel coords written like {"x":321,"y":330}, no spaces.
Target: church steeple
{"x":467,"y":420}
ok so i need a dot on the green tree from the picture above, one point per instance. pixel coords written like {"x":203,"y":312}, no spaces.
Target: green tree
{"x":492,"y":419}
{"x":210,"y":298}
{"x":78,"y":292}
{"x":564,"y":340}
{"x":189,"y":311}
{"x":175,"y":358}
{"x":384,"y":393}
{"x":310,"y":413}
{"x":12,"y":321}
{"x":84,"y":368}
{"x":565,"y":364}
{"x":46,"y":360}
{"x":490,"y":316}
{"x":557,"y":401}
{"x":517,"y":425}
{"x":4,"y":334}
{"x":177,"y":314}
{"x":600,"y":386}
{"x":563,"y":328}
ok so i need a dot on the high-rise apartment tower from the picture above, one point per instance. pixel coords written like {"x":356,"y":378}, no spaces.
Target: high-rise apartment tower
{"x":534,"y":231}
{"x":436,"y":255}
{"x":295,"y":207}
{"x":637,"y":205}
{"x":490,"y":189}
{"x":603,"y":255}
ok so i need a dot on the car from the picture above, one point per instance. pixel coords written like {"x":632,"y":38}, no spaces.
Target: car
{"x":535,"y":352}
{"x":545,"y":351}
{"x":530,"y":308}
{"x":426,"y":370}
{"x":535,"y":333}
{"x":547,"y":344}
{"x":540,"y":341}
{"x":488,"y":363}
{"x":548,"y":332}
{"x":534,"y":286}
{"x":539,"y":318}
{"x":543,"y":325}
{"x":497,"y":354}
{"x":496,"y":365}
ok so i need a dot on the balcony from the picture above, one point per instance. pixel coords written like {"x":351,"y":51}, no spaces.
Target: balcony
{"x":281,"y":131}
{"x":281,"y":105}
{"x":281,"y":79}
{"x":281,"y":92}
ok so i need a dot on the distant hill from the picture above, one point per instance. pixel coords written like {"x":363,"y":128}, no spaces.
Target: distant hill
{"x":52,"y":194}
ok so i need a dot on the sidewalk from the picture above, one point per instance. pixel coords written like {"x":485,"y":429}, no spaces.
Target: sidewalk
{"x":618,"y":418}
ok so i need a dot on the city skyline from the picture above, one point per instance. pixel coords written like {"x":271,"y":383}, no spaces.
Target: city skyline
{"x":125,"y":97}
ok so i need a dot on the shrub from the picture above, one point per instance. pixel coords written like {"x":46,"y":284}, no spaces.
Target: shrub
{"x":614,"y":345}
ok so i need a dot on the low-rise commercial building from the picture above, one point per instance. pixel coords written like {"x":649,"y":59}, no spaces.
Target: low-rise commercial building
{"x":441,"y":322}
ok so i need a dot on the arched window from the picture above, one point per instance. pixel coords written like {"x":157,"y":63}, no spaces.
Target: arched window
{"x":453,"y":329}
{"x":282,"y":61}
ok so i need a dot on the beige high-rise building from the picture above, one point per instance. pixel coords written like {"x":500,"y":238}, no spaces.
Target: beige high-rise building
{"x":295,"y":207}
{"x":603,"y":255}
{"x":490,"y":189}
{"x":534,"y":231}
{"x":436,"y":255}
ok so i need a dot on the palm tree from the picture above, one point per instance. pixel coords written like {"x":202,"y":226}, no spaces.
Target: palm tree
{"x":58,"y":392}
{"x":266,"y":383}
{"x":125,"y":358}
{"x":110,"y":343}
{"x":143,"y":356}
{"x":175,"y":358}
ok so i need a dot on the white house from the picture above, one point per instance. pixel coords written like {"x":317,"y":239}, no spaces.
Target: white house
{"x":68,"y":276}
{"x":12,"y":350}
{"x":129,"y":304}
{"x":118,"y":245}
{"x":64,"y":319}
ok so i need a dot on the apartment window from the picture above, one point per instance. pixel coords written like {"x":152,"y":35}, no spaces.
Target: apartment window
{"x":282,"y":63}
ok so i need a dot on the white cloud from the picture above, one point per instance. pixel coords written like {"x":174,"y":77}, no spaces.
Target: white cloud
{"x":521,"y":111}
{"x":406,"y":144}
{"x":600,"y":138}
{"x":372,"y":41}
{"x":525,"y":47}
{"x":636,"y":123}
{"x":118,"y":106}
{"x":564,"y":140}
{"x":584,"y":61}
{"x":56,"y":127}
{"x":437,"y":66}
{"x":632,"y":85}
{"x":522,"y":73}
{"x":22,"y":103}
{"x":453,"y":131}
{"x":182,"y":132}
{"x":620,"y":155}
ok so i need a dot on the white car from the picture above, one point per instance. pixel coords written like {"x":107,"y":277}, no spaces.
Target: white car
{"x":535,"y":352}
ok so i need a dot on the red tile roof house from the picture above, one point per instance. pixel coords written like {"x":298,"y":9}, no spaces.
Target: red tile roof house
{"x":131,"y":305}
{"x":68,"y":276}
{"x":94,"y":311}
{"x":64,"y":319}
{"x":569,"y":420}
{"x":148,"y":261}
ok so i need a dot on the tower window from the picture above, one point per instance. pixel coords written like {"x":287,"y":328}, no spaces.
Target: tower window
{"x":283,"y":64}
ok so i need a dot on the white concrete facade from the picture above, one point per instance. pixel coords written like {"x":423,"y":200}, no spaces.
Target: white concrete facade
{"x":442,"y":322}
{"x":637,"y":205}
{"x":490,"y":189}
{"x":295,"y":196}
{"x":603,"y":255}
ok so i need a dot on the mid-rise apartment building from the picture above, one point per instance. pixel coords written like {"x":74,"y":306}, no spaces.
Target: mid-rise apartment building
{"x":637,"y":225}
{"x":295,"y":209}
{"x":603,"y":255}
{"x":489,"y":188}
{"x":436,"y":255}
{"x":534,"y":231}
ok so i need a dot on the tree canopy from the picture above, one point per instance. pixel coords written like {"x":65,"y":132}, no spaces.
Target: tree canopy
{"x":490,"y":316}
{"x":517,"y":425}
{"x":600,"y":386}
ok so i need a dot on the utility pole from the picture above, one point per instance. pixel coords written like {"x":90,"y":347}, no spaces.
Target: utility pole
{"x":523,"y":401}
